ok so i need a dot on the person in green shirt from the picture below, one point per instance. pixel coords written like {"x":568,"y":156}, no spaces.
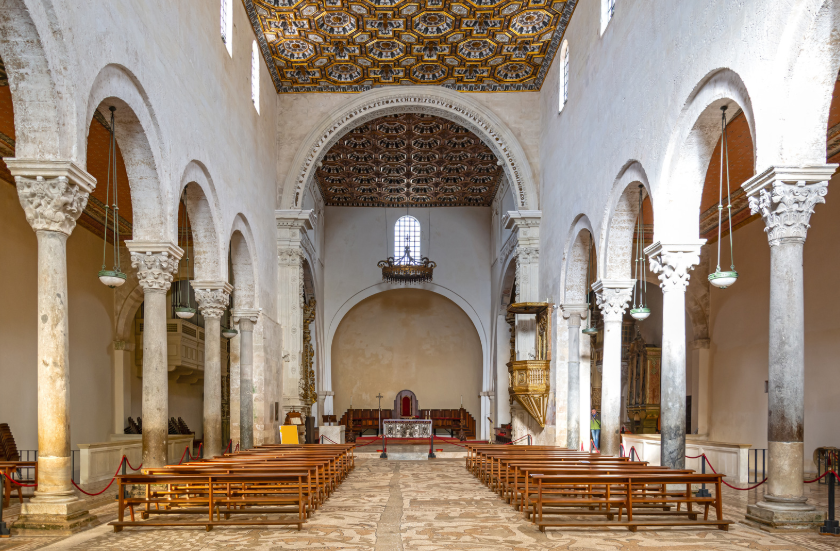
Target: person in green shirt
{"x":595,"y":428}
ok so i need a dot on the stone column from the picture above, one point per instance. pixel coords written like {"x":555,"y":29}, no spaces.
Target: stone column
{"x":612,"y":296}
{"x":155,"y":263}
{"x":673,"y":262}
{"x":292,"y":242}
{"x":322,"y":401}
{"x":213,"y":299}
{"x":574,"y":315}
{"x":785,"y":197}
{"x":246,"y":320}
{"x":53,"y":195}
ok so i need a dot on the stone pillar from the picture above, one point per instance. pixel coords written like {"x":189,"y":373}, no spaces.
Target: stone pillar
{"x":155,"y":263}
{"x":612,"y":296}
{"x":292,"y":241}
{"x":785,"y":197}
{"x":213,"y":299}
{"x":322,"y":402}
{"x":574,"y":315}
{"x":53,"y":195}
{"x":673,"y":262}
{"x":246,"y":320}
{"x":122,"y":384}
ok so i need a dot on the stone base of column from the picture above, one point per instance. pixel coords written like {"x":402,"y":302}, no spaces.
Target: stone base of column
{"x":53,"y":519}
{"x":784,"y":515}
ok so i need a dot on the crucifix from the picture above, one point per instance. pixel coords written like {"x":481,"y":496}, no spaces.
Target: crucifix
{"x":380,"y":411}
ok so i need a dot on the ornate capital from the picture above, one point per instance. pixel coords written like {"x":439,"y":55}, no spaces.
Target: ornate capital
{"x":155,"y":263}
{"x":246,"y":314}
{"x":673,"y":262}
{"x":53,"y":194}
{"x":612,"y":296}
{"x":785,"y":197}
{"x":289,"y":256}
{"x":527,"y":255}
{"x":575,"y":313}
{"x":212,"y":297}
{"x":526,"y":225}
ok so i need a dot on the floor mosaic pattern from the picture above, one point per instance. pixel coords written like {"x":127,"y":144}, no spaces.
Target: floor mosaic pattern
{"x":433,"y":505}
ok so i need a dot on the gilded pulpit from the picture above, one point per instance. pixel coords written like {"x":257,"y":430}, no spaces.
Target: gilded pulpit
{"x":529,"y":381}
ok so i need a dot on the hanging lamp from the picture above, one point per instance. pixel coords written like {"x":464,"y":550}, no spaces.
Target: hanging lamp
{"x":640,"y":310}
{"x":228,"y":331}
{"x":184,"y":309}
{"x":589,"y":329}
{"x":720,"y":279}
{"x":114,"y":277}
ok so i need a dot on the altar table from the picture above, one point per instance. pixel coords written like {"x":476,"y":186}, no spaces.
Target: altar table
{"x":403,"y":429}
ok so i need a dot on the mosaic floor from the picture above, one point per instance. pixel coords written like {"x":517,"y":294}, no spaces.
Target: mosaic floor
{"x":427,"y":506}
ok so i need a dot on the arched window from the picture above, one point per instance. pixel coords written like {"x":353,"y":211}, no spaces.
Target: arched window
{"x":407,"y":234}
{"x":607,"y":12}
{"x":564,"y":74}
{"x":255,"y":76}
{"x":227,"y":25}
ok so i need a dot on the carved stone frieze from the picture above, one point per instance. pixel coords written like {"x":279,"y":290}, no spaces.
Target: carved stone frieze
{"x":51,"y":204}
{"x":673,"y":262}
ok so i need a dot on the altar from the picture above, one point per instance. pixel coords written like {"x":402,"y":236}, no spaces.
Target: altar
{"x":407,"y":429}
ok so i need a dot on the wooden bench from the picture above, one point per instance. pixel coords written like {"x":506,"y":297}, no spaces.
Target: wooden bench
{"x":9,"y":468}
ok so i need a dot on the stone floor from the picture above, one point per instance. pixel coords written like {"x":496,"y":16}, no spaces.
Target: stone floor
{"x":428,"y":506}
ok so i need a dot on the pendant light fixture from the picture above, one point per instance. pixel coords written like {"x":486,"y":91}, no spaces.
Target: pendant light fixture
{"x":724,"y":279}
{"x":184,"y":309}
{"x":114,"y":277}
{"x":228,"y":331}
{"x":589,"y":329}
{"x":640,"y":310}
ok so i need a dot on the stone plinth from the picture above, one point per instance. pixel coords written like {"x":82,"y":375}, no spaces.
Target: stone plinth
{"x":48,"y":519}
{"x":335,"y":433}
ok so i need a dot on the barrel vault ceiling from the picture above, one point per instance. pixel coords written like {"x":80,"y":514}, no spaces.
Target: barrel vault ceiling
{"x":355,"y":45}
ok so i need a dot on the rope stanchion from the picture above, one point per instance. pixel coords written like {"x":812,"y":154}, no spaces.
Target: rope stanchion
{"x":183,"y":455}
{"x":109,"y":484}
{"x":820,"y":477}
{"x":129,"y":465}
{"x":16,"y":483}
{"x":230,"y":443}
{"x":237,"y":448}
{"x":706,"y":460}
{"x":323,"y":437}
{"x":519,"y":440}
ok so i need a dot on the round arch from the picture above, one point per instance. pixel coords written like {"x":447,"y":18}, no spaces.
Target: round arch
{"x":432,"y":100}
{"x":689,"y":151}
{"x":367,"y":292}
{"x":202,"y":207}
{"x":575,"y":261}
{"x":616,"y":240}
{"x":244,"y":262}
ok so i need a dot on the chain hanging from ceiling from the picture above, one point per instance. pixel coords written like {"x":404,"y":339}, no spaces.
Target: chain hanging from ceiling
{"x":640,"y":310}
{"x":728,"y":278}
{"x":115,"y":276}
{"x":183,"y":304}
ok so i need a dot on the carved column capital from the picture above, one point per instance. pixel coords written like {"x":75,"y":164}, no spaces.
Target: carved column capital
{"x":53,"y":194}
{"x":575,"y":313}
{"x":155,"y":263}
{"x":526,"y":225}
{"x":673,"y":262}
{"x":212,"y":297}
{"x":246,"y":314}
{"x":612,"y":296}
{"x":785,"y":197}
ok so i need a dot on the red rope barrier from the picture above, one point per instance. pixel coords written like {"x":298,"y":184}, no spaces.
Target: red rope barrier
{"x":821,"y":477}
{"x":632,"y":450}
{"x":369,"y":443}
{"x":129,"y":465}
{"x":183,"y":455}
{"x":727,"y":483}
{"x":230,"y":443}
{"x":517,"y":440}
{"x":328,"y":438}
{"x":106,"y":487}
{"x":237,"y":448}
{"x":22,"y":485}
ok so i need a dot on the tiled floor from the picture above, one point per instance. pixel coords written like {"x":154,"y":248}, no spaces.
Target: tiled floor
{"x":430,"y":506}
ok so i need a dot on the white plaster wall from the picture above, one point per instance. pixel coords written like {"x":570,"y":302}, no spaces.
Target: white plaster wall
{"x":356,"y":238}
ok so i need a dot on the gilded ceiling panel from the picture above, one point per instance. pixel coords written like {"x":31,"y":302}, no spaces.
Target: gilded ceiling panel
{"x":409,"y":159}
{"x":355,"y":45}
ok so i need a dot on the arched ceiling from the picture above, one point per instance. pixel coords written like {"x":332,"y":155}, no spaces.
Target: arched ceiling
{"x":354,"y":45}
{"x":409,"y":159}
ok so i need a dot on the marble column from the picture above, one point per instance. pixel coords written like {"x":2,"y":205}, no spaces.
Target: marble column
{"x":292,"y":244}
{"x":53,"y":195}
{"x":246,"y":320}
{"x":213,"y":299}
{"x":785,"y":198}
{"x":673,"y":262}
{"x":612,"y":296}
{"x":574,"y":315}
{"x":155,"y":263}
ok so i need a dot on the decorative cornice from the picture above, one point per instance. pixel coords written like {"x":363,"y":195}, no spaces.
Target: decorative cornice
{"x":47,"y":169}
{"x":785,"y":197}
{"x":673,"y":262}
{"x":212,"y":297}
{"x":526,"y":225}
{"x":248,"y":314}
{"x":612,"y":296}
{"x":300,"y":219}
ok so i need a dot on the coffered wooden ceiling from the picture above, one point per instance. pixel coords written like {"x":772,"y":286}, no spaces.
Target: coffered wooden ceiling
{"x":409,"y":159}
{"x":354,"y":45}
